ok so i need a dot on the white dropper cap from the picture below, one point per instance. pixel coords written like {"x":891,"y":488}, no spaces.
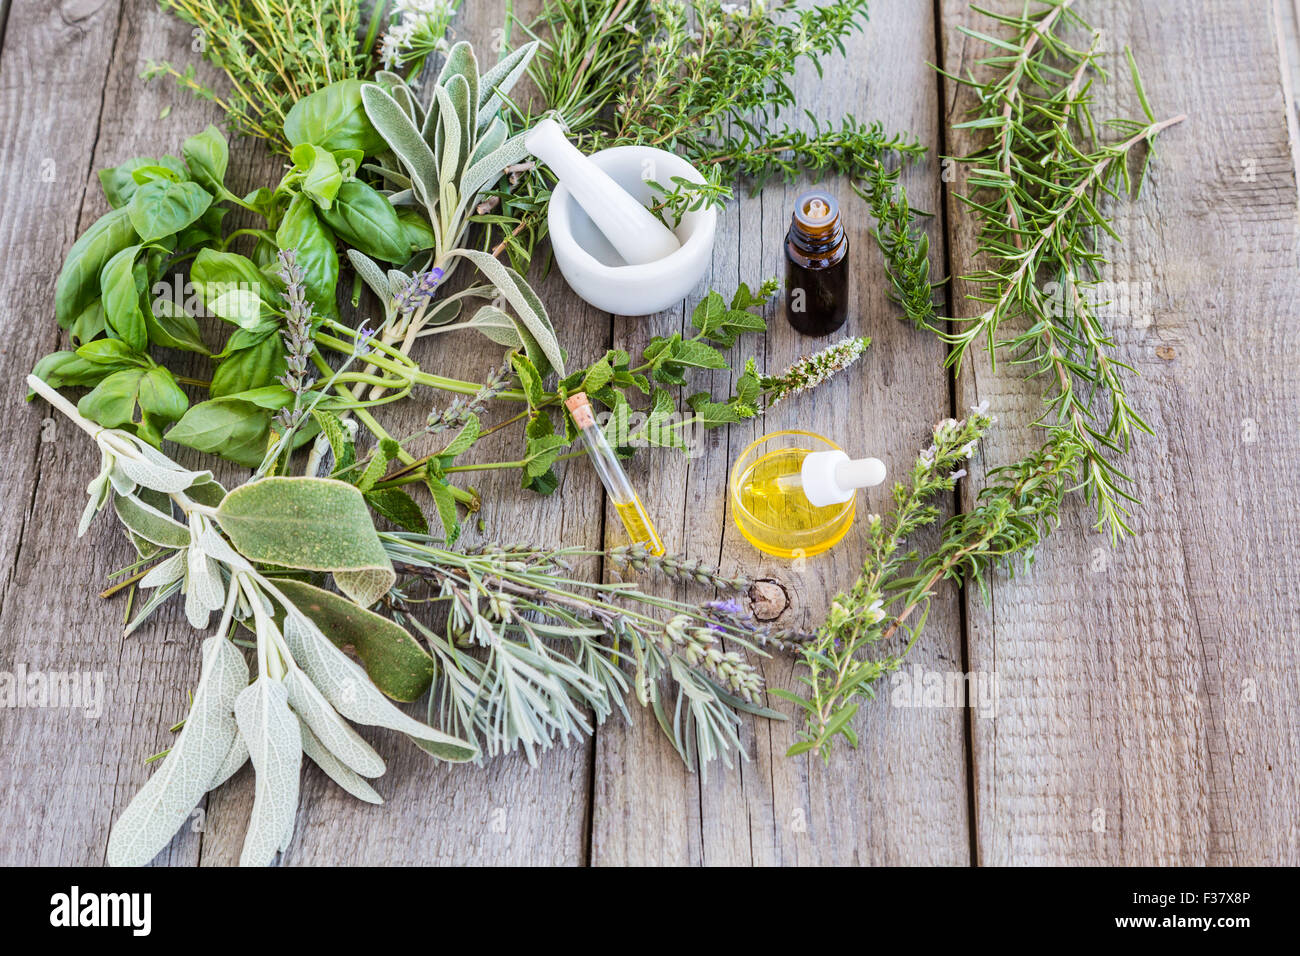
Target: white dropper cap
{"x":630,"y":227}
{"x":831,"y":477}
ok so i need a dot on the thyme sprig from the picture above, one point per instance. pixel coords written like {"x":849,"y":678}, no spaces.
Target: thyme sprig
{"x":711,"y":81}
{"x":271,"y":55}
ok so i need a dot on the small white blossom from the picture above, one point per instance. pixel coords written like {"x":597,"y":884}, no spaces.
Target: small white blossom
{"x":875,"y":612}
{"x":959,"y":473}
{"x":412,"y":21}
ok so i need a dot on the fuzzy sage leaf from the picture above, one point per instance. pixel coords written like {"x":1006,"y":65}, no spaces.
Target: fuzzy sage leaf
{"x":316,"y":524}
{"x":164,"y":803}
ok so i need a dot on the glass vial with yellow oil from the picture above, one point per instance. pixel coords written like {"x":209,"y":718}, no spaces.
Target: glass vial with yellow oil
{"x":627,"y":504}
{"x":792,"y":492}
{"x":816,"y":266}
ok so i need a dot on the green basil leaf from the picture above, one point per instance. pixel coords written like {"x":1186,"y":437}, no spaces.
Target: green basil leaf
{"x":121,"y":284}
{"x":366,"y":221}
{"x":89,"y":324}
{"x":172,"y":327}
{"x":149,"y":172}
{"x":302,"y":231}
{"x":119,"y":184}
{"x":232,"y":287}
{"x":321,"y":178}
{"x":205,"y":230}
{"x":59,"y":369}
{"x":112,"y":401}
{"x":112,"y":352}
{"x":160,"y":397}
{"x":350,"y":161}
{"x":333,"y":119}
{"x":234,"y":429}
{"x":416,"y":231}
{"x":241,"y":339}
{"x":207,"y":155}
{"x":78,"y":284}
{"x":264,"y":201}
{"x":250,"y":368}
{"x":115,"y":400}
{"x":161,"y":208}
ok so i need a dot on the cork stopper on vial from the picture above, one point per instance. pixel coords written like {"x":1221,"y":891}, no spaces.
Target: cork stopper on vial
{"x":580,"y":408}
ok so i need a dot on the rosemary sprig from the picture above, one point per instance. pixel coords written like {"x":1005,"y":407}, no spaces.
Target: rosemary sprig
{"x":1039,"y":186}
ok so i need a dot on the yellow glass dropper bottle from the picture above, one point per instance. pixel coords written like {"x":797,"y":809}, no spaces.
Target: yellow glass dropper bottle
{"x":626,"y":502}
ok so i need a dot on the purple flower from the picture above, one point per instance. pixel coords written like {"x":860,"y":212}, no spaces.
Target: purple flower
{"x":420,"y":290}
{"x":729,"y":606}
{"x":364,"y":335}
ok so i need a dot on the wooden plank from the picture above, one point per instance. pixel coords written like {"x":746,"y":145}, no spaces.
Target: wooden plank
{"x":506,"y":812}
{"x":68,"y":772}
{"x":911,"y":767}
{"x":1148,"y":694}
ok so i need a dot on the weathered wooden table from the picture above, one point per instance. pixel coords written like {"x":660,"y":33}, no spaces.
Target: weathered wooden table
{"x":1148,"y":696}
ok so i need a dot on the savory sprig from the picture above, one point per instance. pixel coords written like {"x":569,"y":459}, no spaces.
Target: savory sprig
{"x":891,"y":597}
{"x":837,"y":672}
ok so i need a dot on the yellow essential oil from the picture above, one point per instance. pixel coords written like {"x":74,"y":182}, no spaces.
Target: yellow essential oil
{"x":769,"y":506}
{"x":637,"y":523}
{"x":626,"y":501}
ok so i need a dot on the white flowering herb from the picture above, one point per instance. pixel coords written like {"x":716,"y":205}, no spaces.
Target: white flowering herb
{"x":416,"y":30}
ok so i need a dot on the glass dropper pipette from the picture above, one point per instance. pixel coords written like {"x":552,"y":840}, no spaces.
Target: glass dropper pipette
{"x":626,"y":502}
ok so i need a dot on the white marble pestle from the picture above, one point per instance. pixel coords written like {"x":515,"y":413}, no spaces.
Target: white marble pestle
{"x":630,"y":227}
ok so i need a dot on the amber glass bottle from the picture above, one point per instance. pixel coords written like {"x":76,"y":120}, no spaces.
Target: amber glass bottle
{"x":816,"y":266}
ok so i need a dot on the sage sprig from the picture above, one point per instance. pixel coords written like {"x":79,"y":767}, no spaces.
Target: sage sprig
{"x":304,"y":687}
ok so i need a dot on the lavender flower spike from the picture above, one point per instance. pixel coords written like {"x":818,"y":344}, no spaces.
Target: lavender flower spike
{"x":418,"y":291}
{"x":298,"y":344}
